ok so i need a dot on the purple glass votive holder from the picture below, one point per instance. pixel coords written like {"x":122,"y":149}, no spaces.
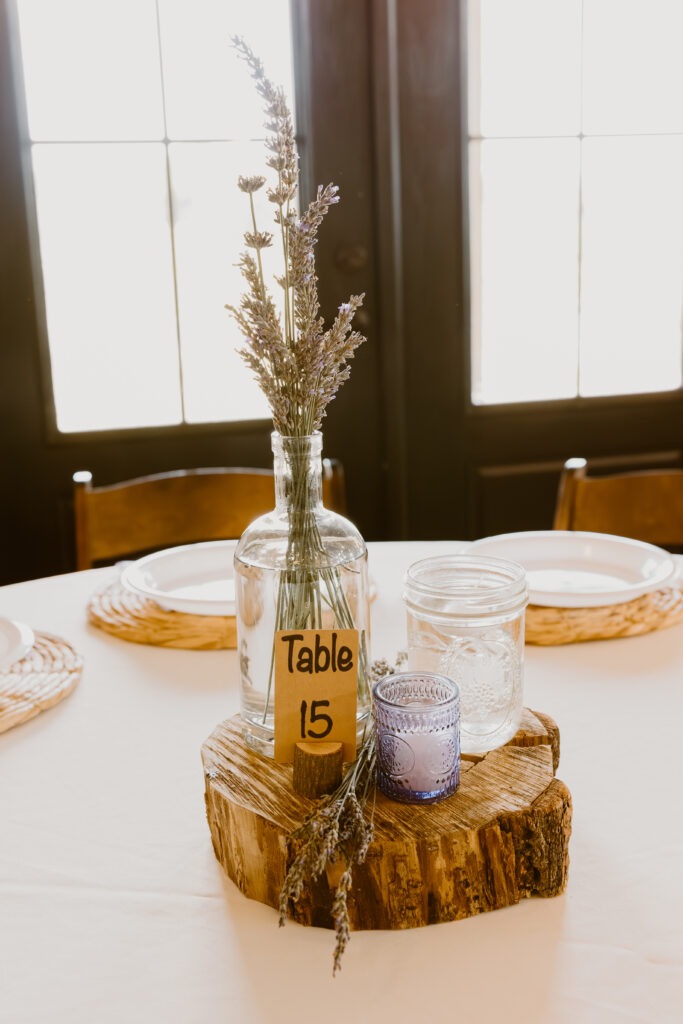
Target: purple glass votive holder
{"x":417,"y":727}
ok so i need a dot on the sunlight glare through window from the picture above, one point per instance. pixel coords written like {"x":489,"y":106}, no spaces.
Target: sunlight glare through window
{"x":575,"y":198}
{"x":141,"y":117}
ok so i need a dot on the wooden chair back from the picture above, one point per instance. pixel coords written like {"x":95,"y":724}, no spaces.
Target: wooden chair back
{"x":181,"y":507}
{"x":644,"y":504}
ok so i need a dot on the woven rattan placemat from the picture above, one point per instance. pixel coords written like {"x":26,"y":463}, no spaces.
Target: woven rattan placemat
{"x":47,"y":674}
{"x":658,"y":610}
{"x":118,"y":611}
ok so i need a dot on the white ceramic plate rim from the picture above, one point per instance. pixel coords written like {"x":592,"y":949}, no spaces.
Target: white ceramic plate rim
{"x":161,"y":575}
{"x":637,"y":568}
{"x":16,"y":640}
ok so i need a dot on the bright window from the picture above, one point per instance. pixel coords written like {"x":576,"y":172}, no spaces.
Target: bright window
{"x":576,"y":203}
{"x":141,"y":117}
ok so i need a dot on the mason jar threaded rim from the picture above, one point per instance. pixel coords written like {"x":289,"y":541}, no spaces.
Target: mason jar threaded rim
{"x":450,"y":587}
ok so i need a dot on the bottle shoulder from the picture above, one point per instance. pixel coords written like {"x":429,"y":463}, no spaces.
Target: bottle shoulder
{"x":335,"y":540}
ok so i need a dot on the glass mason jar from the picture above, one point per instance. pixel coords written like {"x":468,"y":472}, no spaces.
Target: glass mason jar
{"x":300,"y":566}
{"x":465,"y":620}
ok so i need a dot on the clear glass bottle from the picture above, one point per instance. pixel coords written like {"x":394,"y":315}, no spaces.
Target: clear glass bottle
{"x":465,"y":619}
{"x":300,"y":566}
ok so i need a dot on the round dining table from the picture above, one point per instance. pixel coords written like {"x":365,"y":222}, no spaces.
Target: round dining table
{"x":113,"y":907}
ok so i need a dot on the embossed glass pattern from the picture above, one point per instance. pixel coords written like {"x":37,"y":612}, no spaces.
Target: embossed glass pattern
{"x":465,"y":619}
{"x":417,"y":724}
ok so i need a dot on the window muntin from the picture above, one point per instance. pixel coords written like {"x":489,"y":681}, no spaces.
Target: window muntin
{"x":140,"y":118}
{"x":574,"y":112}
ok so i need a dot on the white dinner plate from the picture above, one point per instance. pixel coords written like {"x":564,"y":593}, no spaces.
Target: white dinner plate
{"x":16,"y":640}
{"x":575,"y":569}
{"x":195,"y":578}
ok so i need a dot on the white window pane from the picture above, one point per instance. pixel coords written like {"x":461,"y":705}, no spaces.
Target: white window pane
{"x":524,"y":242}
{"x":106,"y":255}
{"x":91,"y":69}
{"x":211,"y":216}
{"x":633,"y":69}
{"x":632,"y":276}
{"x":209,"y":93}
{"x":524,"y":60}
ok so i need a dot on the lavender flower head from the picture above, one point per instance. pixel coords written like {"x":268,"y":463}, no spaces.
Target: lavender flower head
{"x":298,"y":364}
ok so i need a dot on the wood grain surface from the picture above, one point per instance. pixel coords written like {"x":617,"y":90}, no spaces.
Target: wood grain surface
{"x":503,"y":836}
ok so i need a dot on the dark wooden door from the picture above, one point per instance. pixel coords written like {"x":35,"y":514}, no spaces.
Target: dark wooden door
{"x":456,"y":469}
{"x":380,"y":112}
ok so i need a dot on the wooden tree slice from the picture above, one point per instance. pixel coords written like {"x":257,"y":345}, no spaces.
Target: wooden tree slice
{"x":503,"y":836}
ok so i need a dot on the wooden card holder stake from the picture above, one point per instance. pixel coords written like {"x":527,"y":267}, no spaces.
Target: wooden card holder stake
{"x":317,"y":768}
{"x":502,"y":837}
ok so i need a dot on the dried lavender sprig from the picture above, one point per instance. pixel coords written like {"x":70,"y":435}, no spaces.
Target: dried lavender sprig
{"x":302,"y":365}
{"x":318,"y":835}
{"x":284,"y":159}
{"x":340,"y":915}
{"x":339,"y":828}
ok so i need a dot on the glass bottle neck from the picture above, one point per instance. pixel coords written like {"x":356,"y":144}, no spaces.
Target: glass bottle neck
{"x":298,"y":471}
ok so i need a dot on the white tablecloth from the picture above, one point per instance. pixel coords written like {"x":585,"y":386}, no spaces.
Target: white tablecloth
{"x":113,"y":908}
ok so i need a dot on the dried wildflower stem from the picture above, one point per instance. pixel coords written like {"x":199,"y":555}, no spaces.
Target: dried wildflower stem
{"x":338,"y":829}
{"x":308,"y":587}
{"x":298,"y":365}
{"x":262,"y":281}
